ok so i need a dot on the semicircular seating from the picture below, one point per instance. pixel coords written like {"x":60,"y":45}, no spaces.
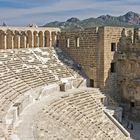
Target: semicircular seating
{"x":78,"y":116}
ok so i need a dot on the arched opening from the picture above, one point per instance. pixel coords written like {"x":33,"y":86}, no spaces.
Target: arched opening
{"x":35,"y":39}
{"x":23,"y":42}
{"x":47,"y":39}
{"x":41,"y":39}
{"x":2,"y":40}
{"x":9,"y":40}
{"x":53,"y":39}
{"x":16,"y":40}
{"x":29,"y":39}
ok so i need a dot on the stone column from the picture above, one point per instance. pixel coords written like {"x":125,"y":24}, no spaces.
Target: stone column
{"x":12,"y":42}
{"x":43,"y":40}
{"x":25,"y":42}
{"x":5,"y":40}
{"x":32,"y":39}
{"x":38,"y":41}
{"x":50,"y":39}
{"x":18,"y":41}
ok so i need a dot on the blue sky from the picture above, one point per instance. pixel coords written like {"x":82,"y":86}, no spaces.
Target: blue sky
{"x":23,"y":12}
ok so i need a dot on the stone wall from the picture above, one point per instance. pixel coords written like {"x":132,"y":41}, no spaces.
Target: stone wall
{"x":128,"y":72}
{"x":81,"y":46}
{"x":95,"y":53}
{"x":111,"y":39}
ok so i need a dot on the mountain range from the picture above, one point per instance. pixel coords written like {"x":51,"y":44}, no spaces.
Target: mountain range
{"x":130,"y":19}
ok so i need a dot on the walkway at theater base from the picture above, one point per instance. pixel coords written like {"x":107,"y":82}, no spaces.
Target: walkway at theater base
{"x":135,"y":133}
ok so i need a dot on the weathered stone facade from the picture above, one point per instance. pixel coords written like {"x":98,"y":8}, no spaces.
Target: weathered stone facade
{"x":109,"y":56}
{"x":94,"y":52}
{"x":33,"y":67}
{"x":81,"y":46}
{"x":128,"y":71}
{"x":27,"y":37}
{"x":108,"y":69}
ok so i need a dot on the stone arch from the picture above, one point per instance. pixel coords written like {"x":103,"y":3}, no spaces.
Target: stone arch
{"x":2,"y":39}
{"x":29,"y":39}
{"x":23,"y":42}
{"x":41,"y":39}
{"x":9,"y":40}
{"x":16,"y":39}
{"x":47,"y":39}
{"x":35,"y":39}
{"x":53,"y":36}
{"x":58,"y":39}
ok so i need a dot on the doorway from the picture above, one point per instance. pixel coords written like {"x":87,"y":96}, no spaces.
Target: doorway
{"x":132,"y":104}
{"x":91,"y":83}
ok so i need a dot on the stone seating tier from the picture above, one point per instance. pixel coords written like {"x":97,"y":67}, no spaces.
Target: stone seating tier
{"x":24,"y":69}
{"x":75,"y":116}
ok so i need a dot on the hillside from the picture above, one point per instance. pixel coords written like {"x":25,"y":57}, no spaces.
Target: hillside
{"x":129,"y":19}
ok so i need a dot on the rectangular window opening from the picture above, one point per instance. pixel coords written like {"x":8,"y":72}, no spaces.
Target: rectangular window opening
{"x":68,"y":42}
{"x":77,"y":42}
{"x":113,"y":47}
{"x":91,"y":83}
{"x":132,"y":104}
{"x":113,"y":69}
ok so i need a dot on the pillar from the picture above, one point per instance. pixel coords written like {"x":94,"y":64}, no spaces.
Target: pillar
{"x":38,"y":41}
{"x":25,"y":42}
{"x":2,"y":46}
{"x":32,"y":40}
{"x":50,"y":39}
{"x":47,"y":39}
{"x":35,"y":39}
{"x":18,"y":41}
{"x":5,"y":41}
{"x":43,"y":41}
{"x":12,"y":39}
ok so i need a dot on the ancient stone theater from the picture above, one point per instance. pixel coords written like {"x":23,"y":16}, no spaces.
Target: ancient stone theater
{"x":58,"y":85}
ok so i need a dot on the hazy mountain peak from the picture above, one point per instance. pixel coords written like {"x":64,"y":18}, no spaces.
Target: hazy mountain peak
{"x":129,"y":19}
{"x":73,"y":19}
{"x":131,"y":13}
